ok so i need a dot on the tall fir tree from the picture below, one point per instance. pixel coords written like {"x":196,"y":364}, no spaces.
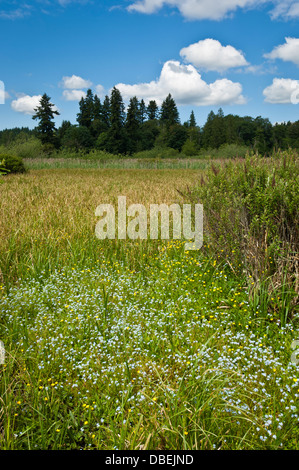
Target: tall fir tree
{"x":169,"y":114}
{"x":97,"y":108}
{"x":192,"y":121}
{"x":133,"y":125}
{"x":106,"y":111}
{"x":86,"y":114}
{"x":45,"y":114}
{"x":116,"y":135}
{"x":142,"y":112}
{"x":152,"y":110}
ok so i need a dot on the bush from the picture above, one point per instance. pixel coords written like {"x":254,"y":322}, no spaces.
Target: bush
{"x":252,"y":216}
{"x":157,"y":152}
{"x":226,"y":151}
{"x":190,"y":148}
{"x":12,"y":164}
{"x":29,"y":148}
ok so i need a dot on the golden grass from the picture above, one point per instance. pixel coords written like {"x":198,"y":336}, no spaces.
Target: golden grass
{"x":45,"y":214}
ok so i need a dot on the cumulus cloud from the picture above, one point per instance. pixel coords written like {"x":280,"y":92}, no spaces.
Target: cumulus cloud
{"x":282,"y":91}
{"x":75,"y":83}
{"x":209,"y":54}
{"x":186,"y":86}
{"x":289,"y":51}
{"x":215,"y":9}
{"x":25,"y":104}
{"x":288,"y":9}
{"x":73,"y":95}
{"x":196,"y":9}
{"x":100,"y":90}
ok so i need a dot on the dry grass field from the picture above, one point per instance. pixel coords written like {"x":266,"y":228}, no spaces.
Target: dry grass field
{"x":55,"y":210}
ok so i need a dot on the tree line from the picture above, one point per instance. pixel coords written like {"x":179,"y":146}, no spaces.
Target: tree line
{"x":107,"y":125}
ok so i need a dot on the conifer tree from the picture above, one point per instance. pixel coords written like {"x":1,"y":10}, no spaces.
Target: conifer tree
{"x":133,"y":124}
{"x":106,"y":111}
{"x":116,"y":136}
{"x":142,"y":111}
{"x":86,"y":114}
{"x":152,"y":110}
{"x":169,"y":114}
{"x":192,"y":121}
{"x":45,"y":114}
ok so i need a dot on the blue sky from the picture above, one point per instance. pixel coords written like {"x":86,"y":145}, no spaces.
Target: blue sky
{"x":241,"y":55}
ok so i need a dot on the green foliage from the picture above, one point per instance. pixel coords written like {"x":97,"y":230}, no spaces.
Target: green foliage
{"x":116,"y":137}
{"x":77,"y":137}
{"x":152,"y":110}
{"x":132,"y":125}
{"x":189,"y":148}
{"x":11,"y":164}
{"x":252,"y":215}
{"x":30,"y":147}
{"x":44,"y":113}
{"x":87,"y":109}
{"x":169,"y":114}
{"x":145,"y":126}
{"x":3,"y":171}
{"x":226,"y":151}
{"x":158,"y":152}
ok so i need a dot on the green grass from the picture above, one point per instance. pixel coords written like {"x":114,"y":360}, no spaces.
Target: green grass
{"x":132,"y":345}
{"x":120,"y":163}
{"x":171,"y":356}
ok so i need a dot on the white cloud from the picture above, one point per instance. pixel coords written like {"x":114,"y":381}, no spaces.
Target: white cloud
{"x":282,"y":91}
{"x":216,"y":9}
{"x":289,"y":52}
{"x":100,"y":90}
{"x":209,"y":54}
{"x":73,"y":95}
{"x":26,"y":104}
{"x":16,"y":14}
{"x":186,"y":86}
{"x":196,"y":9}
{"x":261,"y":69}
{"x":287,"y":9}
{"x":75,"y":83}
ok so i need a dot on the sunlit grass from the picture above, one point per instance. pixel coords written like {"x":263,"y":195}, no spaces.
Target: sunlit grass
{"x":131,"y":345}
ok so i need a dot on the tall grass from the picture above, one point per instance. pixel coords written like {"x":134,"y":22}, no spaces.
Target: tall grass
{"x":48,"y":216}
{"x":252,"y":219}
{"x":121,"y":163}
{"x":131,"y":344}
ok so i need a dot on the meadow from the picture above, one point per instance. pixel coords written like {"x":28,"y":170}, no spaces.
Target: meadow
{"x":133,"y":344}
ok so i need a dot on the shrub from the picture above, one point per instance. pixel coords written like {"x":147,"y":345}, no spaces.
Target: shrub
{"x":12,"y":164}
{"x":252,"y":216}
{"x":29,"y":148}
{"x":190,"y":148}
{"x":157,"y":152}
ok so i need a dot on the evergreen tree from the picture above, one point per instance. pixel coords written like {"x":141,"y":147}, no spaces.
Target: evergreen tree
{"x":152,"y":110}
{"x":97,"y":108}
{"x":77,"y":138}
{"x":106,"y":112}
{"x":192,"y":121}
{"x":86,"y":114}
{"x":142,"y":111}
{"x":45,"y":114}
{"x":97,"y":125}
{"x":133,"y":124}
{"x":65,"y":125}
{"x":169,"y":114}
{"x":116,"y":136}
{"x":214,"y":133}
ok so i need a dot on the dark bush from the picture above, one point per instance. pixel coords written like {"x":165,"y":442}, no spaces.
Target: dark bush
{"x":12,"y":163}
